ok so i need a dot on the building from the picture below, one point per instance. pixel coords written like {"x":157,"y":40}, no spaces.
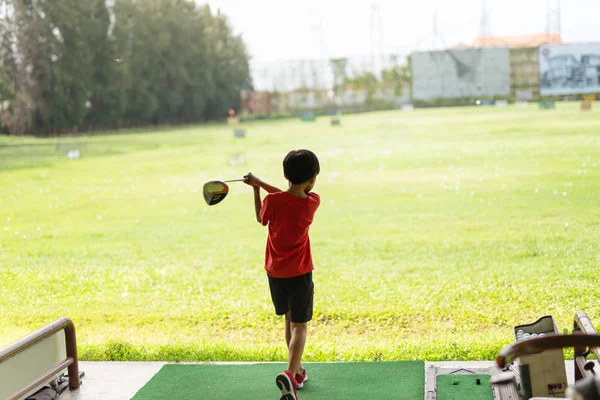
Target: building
{"x":524,"y":59}
{"x":524,"y":71}
{"x":256,"y":102}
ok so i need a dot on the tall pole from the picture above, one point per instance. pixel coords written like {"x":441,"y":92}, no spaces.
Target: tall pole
{"x":435,"y":29}
{"x":548,"y":18}
{"x":558,"y":18}
{"x":373,"y":10}
{"x":553,"y":17}
{"x":484,"y":29}
{"x":381,"y":42}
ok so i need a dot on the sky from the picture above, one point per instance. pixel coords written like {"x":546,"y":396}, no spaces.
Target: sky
{"x":276,"y":30}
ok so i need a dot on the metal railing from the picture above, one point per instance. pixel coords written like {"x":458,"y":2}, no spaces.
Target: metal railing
{"x":534,"y":346}
{"x":584,"y":341}
{"x":70,"y":362}
{"x":583,"y":367}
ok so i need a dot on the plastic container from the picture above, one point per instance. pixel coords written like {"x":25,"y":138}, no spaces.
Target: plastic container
{"x":542,"y":374}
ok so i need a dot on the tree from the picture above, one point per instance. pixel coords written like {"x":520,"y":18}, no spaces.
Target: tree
{"x":200,"y":86}
{"x":338,"y":67}
{"x":134,"y":36}
{"x":107,"y":97}
{"x":367,"y":81}
{"x":399,"y":76}
{"x":25,"y":58}
{"x":69,"y":65}
{"x":7,"y":67}
{"x":68,"y":86}
{"x":230,"y":66}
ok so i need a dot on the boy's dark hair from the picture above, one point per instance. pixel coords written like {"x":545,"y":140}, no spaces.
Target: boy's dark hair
{"x":300,"y":165}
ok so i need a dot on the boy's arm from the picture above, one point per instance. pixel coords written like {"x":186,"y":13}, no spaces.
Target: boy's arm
{"x":253,"y":181}
{"x":256,"y":184}
{"x":257,"y":203}
{"x":268,"y":188}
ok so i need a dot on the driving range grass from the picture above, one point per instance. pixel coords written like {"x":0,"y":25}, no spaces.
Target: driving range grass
{"x":439,"y":230}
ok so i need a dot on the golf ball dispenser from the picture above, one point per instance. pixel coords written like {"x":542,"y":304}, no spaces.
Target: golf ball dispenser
{"x":542,"y":374}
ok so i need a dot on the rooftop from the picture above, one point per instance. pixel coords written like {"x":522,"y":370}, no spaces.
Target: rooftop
{"x":518,"y":41}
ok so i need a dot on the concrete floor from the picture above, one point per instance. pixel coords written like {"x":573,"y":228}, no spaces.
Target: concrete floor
{"x":122,"y":380}
{"x":112,"y":380}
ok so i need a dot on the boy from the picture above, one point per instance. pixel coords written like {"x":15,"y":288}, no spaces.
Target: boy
{"x":288,"y":259}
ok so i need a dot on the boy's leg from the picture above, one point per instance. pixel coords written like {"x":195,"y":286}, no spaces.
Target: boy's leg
{"x":286,"y":381}
{"x":288,"y":337}
{"x":301,"y":310}
{"x":288,"y":328}
{"x":296,"y":347}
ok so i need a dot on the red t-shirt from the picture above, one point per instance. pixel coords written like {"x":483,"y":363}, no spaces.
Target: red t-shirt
{"x":288,"y":245}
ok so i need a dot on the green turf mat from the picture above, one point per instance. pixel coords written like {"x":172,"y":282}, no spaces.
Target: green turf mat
{"x":332,"y":381}
{"x":460,"y":387}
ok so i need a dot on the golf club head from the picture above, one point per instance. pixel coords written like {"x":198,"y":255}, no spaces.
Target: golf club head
{"x":215,"y":192}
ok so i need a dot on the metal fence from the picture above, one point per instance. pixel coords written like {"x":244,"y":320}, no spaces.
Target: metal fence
{"x":299,"y":85}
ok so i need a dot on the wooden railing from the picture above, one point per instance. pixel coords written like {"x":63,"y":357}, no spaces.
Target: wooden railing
{"x":70,"y":362}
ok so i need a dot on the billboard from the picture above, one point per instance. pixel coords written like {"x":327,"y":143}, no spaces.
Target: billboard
{"x":569,"y":69}
{"x":463,"y":73}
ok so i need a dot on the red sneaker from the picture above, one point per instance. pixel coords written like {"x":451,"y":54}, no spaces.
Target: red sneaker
{"x":287,"y":384}
{"x":301,"y":378}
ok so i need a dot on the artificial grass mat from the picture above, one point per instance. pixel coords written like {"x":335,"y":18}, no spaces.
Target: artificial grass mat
{"x":460,"y":387}
{"x":333,"y":381}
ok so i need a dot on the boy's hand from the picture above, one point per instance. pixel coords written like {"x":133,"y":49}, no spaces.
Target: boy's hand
{"x":251,"y":180}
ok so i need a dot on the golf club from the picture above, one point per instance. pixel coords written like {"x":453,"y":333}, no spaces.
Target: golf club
{"x":216,"y":191}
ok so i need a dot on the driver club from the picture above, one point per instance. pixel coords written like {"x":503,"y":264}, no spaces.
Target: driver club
{"x":216,"y":191}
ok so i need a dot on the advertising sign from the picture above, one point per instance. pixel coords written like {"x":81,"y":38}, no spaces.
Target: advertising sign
{"x":569,"y":69}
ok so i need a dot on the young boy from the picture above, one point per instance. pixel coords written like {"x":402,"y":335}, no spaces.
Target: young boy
{"x":288,"y":259}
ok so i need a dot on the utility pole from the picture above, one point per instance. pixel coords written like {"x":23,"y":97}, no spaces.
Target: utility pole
{"x":553,"y":17}
{"x":377,"y":43}
{"x":485,"y":29}
{"x":435,"y":29}
{"x":437,"y":42}
{"x":373,"y":23}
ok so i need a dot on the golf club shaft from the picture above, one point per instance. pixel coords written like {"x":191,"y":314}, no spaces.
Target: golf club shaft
{"x":236,"y":180}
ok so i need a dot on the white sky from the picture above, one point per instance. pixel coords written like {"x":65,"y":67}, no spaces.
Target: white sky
{"x":321,"y":29}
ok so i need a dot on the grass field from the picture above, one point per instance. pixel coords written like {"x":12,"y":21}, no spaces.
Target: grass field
{"x":439,"y":231}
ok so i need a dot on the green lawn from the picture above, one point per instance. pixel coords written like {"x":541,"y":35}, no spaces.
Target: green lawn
{"x":439,"y":231}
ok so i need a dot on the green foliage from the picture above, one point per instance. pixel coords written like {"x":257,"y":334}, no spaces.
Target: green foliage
{"x":339,"y":69}
{"x":399,"y":77}
{"x":106,"y":93}
{"x":439,"y":231}
{"x":367,"y":80}
{"x":95,"y":66}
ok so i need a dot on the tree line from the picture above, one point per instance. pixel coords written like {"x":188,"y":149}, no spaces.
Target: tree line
{"x":399,"y":77}
{"x":79,"y":65}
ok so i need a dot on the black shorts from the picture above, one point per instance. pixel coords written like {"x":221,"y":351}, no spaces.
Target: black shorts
{"x":294,"y":295}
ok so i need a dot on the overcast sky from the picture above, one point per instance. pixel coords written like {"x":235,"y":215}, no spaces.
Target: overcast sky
{"x":294,"y":29}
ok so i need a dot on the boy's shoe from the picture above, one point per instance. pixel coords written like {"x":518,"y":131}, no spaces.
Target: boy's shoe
{"x":287,"y":384}
{"x":301,"y":378}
